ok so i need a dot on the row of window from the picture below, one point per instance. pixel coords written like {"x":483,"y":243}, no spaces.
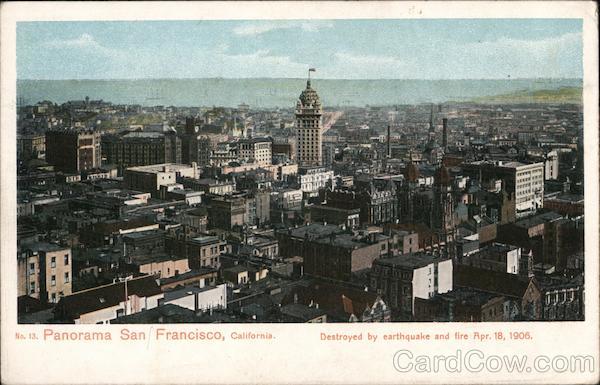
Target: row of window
{"x":32,"y":285}
{"x":32,"y":267}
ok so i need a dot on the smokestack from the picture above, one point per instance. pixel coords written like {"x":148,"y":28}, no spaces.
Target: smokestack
{"x":389,"y":149}
{"x":445,"y":133}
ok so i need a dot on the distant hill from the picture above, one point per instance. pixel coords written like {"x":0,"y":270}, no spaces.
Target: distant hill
{"x":283,"y":93}
{"x":560,"y":95}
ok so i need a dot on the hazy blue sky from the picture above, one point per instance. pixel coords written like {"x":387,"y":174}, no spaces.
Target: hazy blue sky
{"x":349,"y":49}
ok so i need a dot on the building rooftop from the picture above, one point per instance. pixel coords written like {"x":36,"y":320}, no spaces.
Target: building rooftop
{"x":205,"y":239}
{"x":168,"y":313}
{"x":185,"y":291}
{"x":144,"y":234}
{"x":467,"y":296}
{"x":151,"y":258}
{"x":351,"y":241}
{"x":494,"y":252}
{"x":197,"y":273}
{"x":414,"y":261}
{"x":142,"y":134}
{"x":538,"y":219}
{"x":302,"y":312}
{"x":87,"y":301}
{"x":45,"y":247}
{"x":314,"y":230}
{"x":163,"y":167}
{"x":570,"y":198}
{"x":489,"y":281}
{"x":237,"y":269}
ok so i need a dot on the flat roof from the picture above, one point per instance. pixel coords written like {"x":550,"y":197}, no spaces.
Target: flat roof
{"x":153,"y":168}
{"x":572,"y":198}
{"x":184,"y":291}
{"x":317,"y":230}
{"x":538,"y":219}
{"x":410,"y":260}
{"x":206,"y":239}
{"x":44,"y":246}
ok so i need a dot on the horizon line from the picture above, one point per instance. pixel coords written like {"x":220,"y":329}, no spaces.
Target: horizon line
{"x":295,"y":78}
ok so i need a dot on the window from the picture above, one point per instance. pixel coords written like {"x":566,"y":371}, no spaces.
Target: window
{"x":31,"y":268}
{"x":66,"y":259}
{"x":53,"y":297}
{"x":31,"y":287}
{"x":53,"y":262}
{"x":66,"y":277}
{"x":53,"y":280}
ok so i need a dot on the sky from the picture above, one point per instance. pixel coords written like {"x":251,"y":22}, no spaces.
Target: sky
{"x":338,"y":49}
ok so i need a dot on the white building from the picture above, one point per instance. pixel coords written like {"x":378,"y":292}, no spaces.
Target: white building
{"x":151,"y":178}
{"x":195,"y":298}
{"x":430,"y":278}
{"x":255,"y":150}
{"x":525,"y":182}
{"x":287,"y":199}
{"x":551,"y":166}
{"x":314,"y":178}
{"x":529,"y":187}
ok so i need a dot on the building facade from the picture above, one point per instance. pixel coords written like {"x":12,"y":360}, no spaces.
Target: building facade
{"x":141,"y":149}
{"x":255,"y":150}
{"x":402,"y":279}
{"x":45,"y":272}
{"x":524,"y":182}
{"x":73,"y":150}
{"x":309,"y":123}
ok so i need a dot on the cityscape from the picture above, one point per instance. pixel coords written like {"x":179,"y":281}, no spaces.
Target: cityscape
{"x":451,"y":210}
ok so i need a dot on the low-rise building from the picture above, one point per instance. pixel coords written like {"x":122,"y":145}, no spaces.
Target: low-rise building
{"x":498,"y":257}
{"x":196,"y":298}
{"x":202,"y":251}
{"x":339,"y":256}
{"x":150,"y":178}
{"x":402,"y":279}
{"x":349,"y":218}
{"x":45,"y":271}
{"x":161,"y":266}
{"x":311,"y":179}
{"x":105,"y":303}
{"x":340,"y":303}
{"x":225,"y":212}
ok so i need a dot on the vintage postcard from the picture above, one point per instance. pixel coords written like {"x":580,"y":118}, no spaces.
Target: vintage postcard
{"x":299,"y":192}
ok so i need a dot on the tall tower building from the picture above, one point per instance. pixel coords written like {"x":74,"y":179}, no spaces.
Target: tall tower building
{"x":443,"y":209}
{"x":431,"y":126}
{"x":445,"y":134}
{"x":309,"y":126}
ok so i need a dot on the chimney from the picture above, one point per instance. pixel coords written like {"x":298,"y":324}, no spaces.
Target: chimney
{"x":389,"y":150}
{"x":445,"y":133}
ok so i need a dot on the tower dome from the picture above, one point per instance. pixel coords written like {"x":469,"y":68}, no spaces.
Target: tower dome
{"x":309,"y":98}
{"x":309,"y":125}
